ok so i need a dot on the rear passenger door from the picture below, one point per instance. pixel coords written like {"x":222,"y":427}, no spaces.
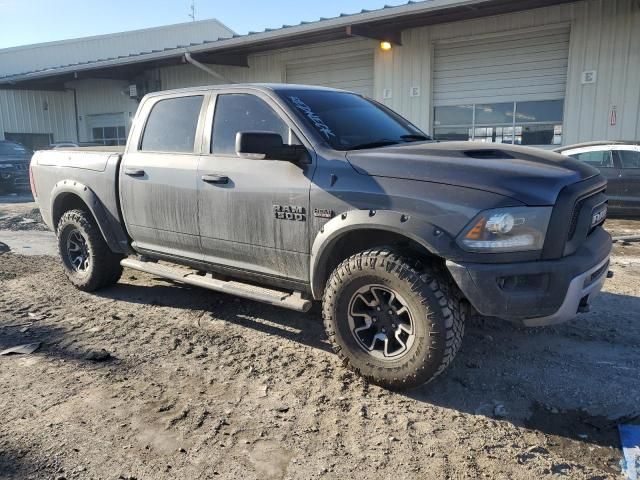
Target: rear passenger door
{"x":630,"y":169}
{"x":239,"y":198}
{"x":158,"y":178}
{"x":604,"y":160}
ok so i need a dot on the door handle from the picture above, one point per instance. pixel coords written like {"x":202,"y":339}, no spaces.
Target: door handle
{"x":134,"y":172}
{"x":217,"y":179}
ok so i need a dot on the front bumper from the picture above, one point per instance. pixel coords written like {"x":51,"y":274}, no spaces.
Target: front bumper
{"x":538,"y":293}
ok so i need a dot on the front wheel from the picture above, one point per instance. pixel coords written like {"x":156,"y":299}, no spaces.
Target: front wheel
{"x":395,"y":326}
{"x":87,"y":260}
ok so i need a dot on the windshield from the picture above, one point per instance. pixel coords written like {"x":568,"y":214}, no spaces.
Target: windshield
{"x":8,"y":148}
{"x":347,"y":121}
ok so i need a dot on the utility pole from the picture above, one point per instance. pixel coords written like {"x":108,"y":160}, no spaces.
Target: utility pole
{"x":192,"y":15}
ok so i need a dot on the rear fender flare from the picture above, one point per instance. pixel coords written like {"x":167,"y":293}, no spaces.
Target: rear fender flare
{"x":400,"y":223}
{"x":116,"y":238}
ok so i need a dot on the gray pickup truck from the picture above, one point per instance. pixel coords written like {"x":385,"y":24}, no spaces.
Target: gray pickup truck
{"x":288,"y":194}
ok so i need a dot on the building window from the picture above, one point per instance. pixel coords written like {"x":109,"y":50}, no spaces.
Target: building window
{"x":109,"y":135}
{"x":517,"y":123}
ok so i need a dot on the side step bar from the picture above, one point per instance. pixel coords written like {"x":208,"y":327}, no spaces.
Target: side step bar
{"x":292,"y":301}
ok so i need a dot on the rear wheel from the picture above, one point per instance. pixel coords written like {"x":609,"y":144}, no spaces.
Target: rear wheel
{"x":88,"y":262}
{"x":395,"y":326}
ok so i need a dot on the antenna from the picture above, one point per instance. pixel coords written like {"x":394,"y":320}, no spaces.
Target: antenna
{"x":192,"y":15}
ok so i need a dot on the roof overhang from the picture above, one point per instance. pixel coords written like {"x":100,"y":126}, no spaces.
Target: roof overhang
{"x":385,"y":24}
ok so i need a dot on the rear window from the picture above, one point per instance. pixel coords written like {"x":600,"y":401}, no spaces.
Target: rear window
{"x":172,"y":125}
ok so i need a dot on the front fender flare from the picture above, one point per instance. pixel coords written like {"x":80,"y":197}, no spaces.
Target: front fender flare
{"x":115,"y":237}
{"x":412,"y":228}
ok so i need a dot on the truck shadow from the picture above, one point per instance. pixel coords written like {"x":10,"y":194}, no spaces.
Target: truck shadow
{"x":573,"y":382}
{"x":305,"y":329}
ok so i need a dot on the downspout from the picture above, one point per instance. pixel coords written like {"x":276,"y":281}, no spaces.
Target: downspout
{"x":75,"y":108}
{"x":75,"y":111}
{"x":204,"y":68}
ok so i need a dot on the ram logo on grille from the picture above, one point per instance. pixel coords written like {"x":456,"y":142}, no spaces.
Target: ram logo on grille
{"x":599,"y":216}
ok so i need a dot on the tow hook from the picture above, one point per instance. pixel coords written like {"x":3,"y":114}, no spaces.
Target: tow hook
{"x":610,"y":274}
{"x":584,"y":305}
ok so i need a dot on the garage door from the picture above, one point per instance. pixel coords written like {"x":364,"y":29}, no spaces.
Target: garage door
{"x":519,"y":67}
{"x":506,"y":89}
{"x":354,"y":73}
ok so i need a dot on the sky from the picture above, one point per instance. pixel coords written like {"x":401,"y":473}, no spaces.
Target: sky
{"x":24,"y":22}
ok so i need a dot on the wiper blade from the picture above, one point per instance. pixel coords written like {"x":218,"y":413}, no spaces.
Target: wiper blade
{"x":415,"y":137}
{"x":380,"y":143}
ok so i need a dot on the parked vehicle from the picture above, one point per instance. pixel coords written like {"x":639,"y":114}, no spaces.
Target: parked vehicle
{"x":14,"y":166}
{"x":288,"y":194}
{"x":619,"y":162}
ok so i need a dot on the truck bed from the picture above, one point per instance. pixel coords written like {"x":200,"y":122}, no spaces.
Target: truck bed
{"x":87,"y":173}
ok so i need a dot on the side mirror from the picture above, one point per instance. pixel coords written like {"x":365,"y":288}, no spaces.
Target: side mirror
{"x":267,"y":146}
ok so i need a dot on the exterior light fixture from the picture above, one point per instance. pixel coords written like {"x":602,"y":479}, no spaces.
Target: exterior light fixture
{"x":386,"y":46}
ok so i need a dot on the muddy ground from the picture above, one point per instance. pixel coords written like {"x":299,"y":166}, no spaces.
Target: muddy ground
{"x":152,"y":380}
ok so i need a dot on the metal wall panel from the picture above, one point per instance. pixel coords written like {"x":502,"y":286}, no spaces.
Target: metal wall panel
{"x":30,"y":111}
{"x":605,"y":39}
{"x":97,"y":97}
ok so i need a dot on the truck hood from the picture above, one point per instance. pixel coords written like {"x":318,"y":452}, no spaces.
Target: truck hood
{"x":14,"y":159}
{"x":529,"y":175}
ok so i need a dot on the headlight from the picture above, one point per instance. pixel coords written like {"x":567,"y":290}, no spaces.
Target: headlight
{"x":6,"y":166}
{"x":514,"y":229}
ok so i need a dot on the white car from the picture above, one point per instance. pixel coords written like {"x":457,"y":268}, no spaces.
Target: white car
{"x":619,"y":162}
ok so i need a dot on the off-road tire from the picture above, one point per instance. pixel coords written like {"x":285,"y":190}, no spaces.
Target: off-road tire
{"x":104,"y":269}
{"x":433,"y":301}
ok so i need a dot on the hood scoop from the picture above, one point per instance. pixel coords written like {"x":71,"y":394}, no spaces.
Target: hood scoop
{"x":488,"y":154}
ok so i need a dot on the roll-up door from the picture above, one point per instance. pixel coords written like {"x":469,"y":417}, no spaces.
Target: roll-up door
{"x":354,"y":73}
{"x":502,"y":89}
{"x":531,"y":66}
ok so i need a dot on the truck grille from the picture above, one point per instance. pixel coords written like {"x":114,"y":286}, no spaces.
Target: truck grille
{"x":575,"y":216}
{"x":573,"y":225}
{"x":572,"y":219}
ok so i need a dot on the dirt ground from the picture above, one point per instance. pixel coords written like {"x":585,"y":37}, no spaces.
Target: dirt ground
{"x":152,"y":380}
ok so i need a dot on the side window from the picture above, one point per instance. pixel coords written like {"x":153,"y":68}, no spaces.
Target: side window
{"x":598,"y":159}
{"x":172,"y":124}
{"x":629,"y":158}
{"x":240,"y":112}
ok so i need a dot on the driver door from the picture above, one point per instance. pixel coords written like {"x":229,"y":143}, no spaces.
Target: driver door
{"x":241,"y":200}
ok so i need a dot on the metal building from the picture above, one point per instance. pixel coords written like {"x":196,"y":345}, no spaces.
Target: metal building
{"x":532,"y":72}
{"x":89,"y":106}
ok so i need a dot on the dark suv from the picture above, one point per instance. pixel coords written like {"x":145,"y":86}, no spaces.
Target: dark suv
{"x":14,"y":166}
